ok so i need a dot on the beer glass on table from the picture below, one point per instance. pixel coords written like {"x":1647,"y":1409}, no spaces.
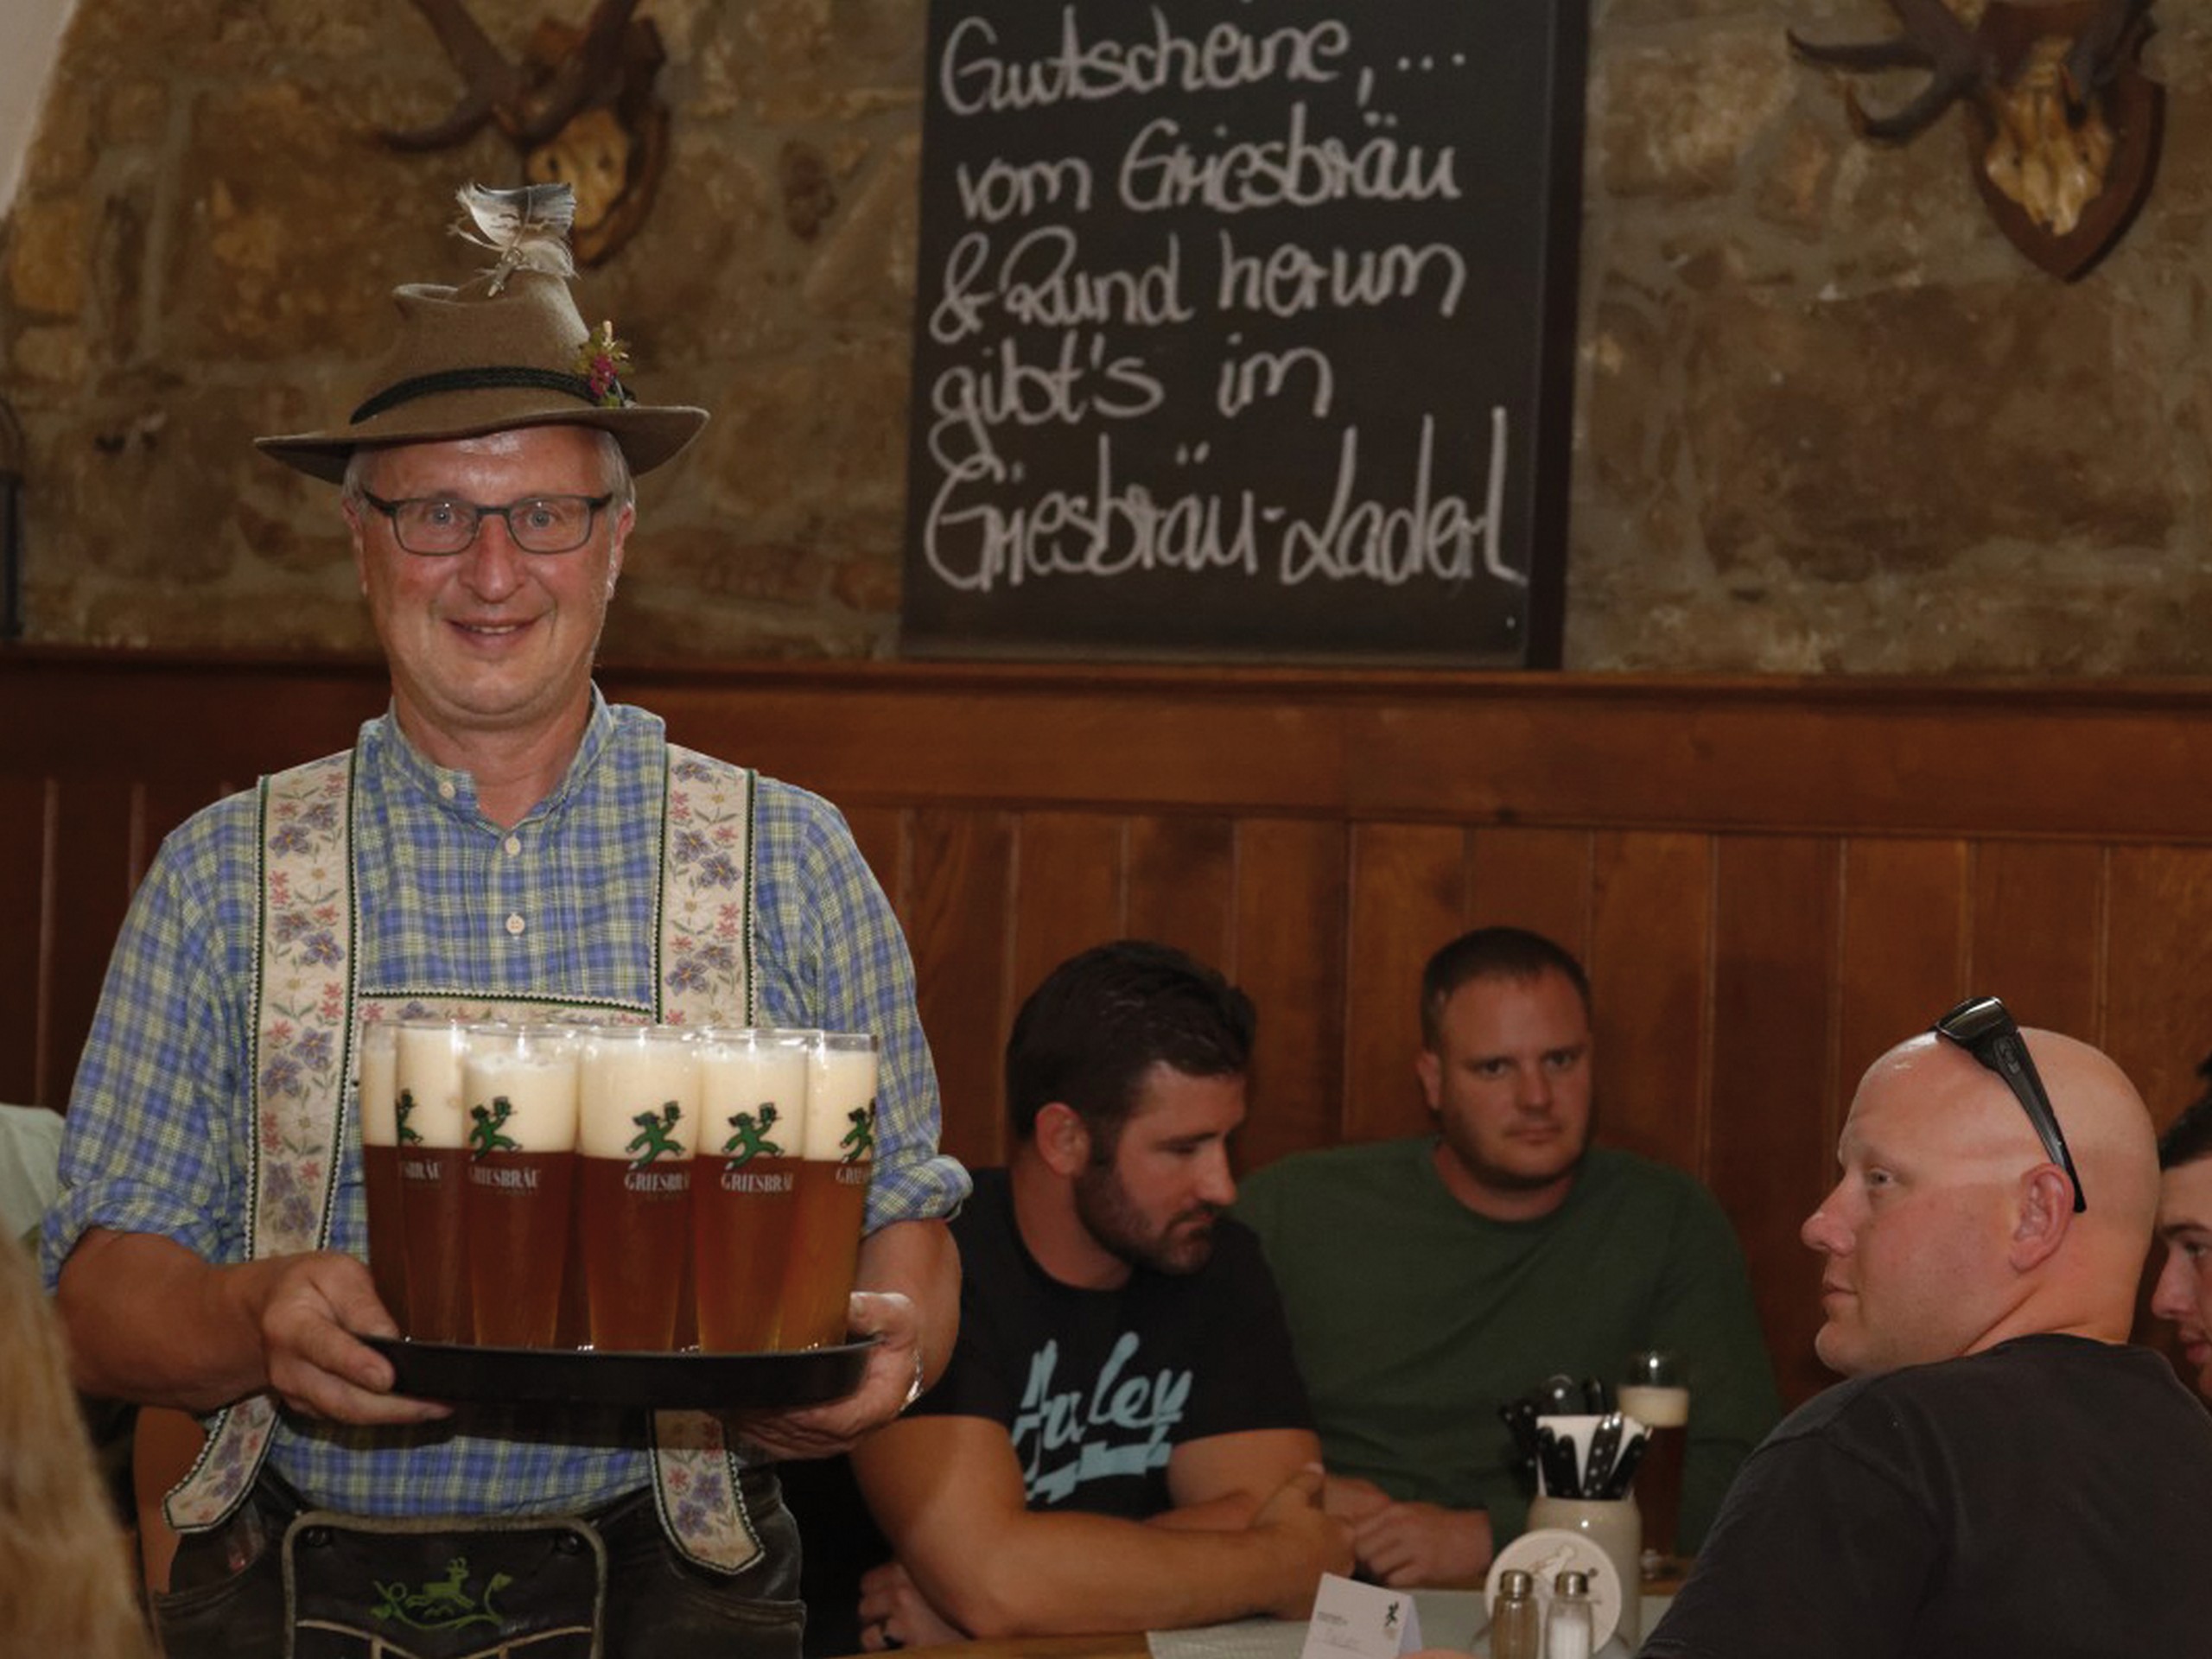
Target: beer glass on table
{"x":428,"y":1126}
{"x":637,"y":1124}
{"x":1655,"y":1393}
{"x":753,"y":1094}
{"x":377,"y":1102}
{"x":837,"y":1161}
{"x":518,"y":1084}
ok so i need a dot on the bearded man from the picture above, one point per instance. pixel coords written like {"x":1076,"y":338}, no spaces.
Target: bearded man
{"x":1120,"y":1442}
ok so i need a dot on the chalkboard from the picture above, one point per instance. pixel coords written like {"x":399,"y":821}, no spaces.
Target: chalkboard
{"x":1245,"y":331}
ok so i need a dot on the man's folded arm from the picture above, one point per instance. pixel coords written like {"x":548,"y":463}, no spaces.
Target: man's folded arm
{"x":947,"y":1492}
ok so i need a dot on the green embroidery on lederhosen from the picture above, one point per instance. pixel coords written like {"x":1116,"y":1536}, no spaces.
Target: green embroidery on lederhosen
{"x":441,"y":1604}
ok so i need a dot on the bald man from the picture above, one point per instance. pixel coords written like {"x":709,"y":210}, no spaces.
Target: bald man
{"x":2000,"y":1475}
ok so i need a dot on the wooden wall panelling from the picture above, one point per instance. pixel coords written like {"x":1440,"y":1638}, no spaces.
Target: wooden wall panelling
{"x":959,"y":916}
{"x":1182,"y":886}
{"x":1651,"y":951}
{"x":1774,"y":943}
{"x":2038,"y":932}
{"x":2158,"y":971}
{"x":1409,"y":896}
{"x":1290,"y":909}
{"x":1067,"y":894}
{"x":1904,"y":954}
{"x":1537,"y":879}
{"x":24,"y":907}
{"x":96,"y":825}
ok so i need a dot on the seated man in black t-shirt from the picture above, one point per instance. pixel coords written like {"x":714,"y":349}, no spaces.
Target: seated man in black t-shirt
{"x":1121,"y":1440}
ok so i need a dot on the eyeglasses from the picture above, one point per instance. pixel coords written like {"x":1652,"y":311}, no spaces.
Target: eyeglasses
{"x":1982,"y":1028}
{"x":438,"y":525}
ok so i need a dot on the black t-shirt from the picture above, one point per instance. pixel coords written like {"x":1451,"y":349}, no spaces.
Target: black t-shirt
{"x":1096,"y":1388}
{"x":2050,"y":1497}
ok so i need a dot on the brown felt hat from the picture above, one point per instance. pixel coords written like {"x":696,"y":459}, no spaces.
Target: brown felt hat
{"x":508,"y":349}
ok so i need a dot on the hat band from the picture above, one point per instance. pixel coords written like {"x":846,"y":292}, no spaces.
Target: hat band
{"x":615,"y":396}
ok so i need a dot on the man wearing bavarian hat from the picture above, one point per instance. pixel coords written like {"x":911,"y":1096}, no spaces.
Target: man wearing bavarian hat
{"x":501,"y":840}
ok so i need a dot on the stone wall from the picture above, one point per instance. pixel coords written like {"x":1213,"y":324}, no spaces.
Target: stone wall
{"x":1828,"y":419}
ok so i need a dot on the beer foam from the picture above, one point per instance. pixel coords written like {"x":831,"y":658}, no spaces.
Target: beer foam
{"x":539,"y":1087}
{"x":621,"y":1078}
{"x":428,"y":1072}
{"x":1654,"y":1408}
{"x":736,"y":1075}
{"x":378,"y":1100}
{"x":839,"y":1081}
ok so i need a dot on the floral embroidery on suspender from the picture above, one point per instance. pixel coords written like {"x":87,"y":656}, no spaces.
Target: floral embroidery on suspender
{"x":705,"y":940}
{"x":706,"y":919}
{"x":301,"y":1059}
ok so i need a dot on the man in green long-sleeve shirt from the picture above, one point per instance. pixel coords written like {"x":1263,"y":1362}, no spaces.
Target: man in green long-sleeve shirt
{"x":1428,"y":1281}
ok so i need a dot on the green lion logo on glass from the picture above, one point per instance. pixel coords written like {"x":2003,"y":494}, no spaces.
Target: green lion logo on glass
{"x":860,"y":1140}
{"x":751,"y":1140}
{"x":655,"y":1134}
{"x":485,"y":1139}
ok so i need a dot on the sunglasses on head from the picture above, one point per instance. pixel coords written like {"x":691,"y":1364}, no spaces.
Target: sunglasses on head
{"x":1982,"y":1028}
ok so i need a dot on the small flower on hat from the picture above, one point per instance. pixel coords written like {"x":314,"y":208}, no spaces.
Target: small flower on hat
{"x":602,"y":360}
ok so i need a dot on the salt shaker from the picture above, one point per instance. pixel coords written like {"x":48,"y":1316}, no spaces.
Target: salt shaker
{"x":1569,"y":1627}
{"x":1516,"y":1620}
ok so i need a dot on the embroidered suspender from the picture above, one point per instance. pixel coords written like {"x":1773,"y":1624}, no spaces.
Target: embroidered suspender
{"x":306,"y":990}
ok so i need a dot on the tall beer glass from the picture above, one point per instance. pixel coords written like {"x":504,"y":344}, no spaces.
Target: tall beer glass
{"x":433,"y":1166}
{"x":519,"y":1086}
{"x":838,"y":1159}
{"x":1655,"y":1393}
{"x":753,"y":1099}
{"x":638,"y":1119}
{"x":376,"y":1104}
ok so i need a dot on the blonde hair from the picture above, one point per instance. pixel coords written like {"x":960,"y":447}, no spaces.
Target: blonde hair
{"x":67,"y":1582}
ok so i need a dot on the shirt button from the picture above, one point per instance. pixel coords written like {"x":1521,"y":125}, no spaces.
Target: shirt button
{"x":513,"y":844}
{"x":514,"y":924}
{"x":446,"y":790}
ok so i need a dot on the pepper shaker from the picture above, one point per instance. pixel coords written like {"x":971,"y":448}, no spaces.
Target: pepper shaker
{"x":1516,"y":1620}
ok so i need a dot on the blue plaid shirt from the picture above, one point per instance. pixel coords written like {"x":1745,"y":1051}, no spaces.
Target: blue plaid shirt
{"x":163,"y":1101}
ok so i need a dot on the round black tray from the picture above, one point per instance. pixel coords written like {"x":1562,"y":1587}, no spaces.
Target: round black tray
{"x":453,"y":1370}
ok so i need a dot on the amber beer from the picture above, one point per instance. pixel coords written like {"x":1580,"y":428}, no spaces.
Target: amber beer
{"x":1655,"y":1396}
{"x":753,"y":1103}
{"x":638,"y":1123}
{"x":376,"y":1104}
{"x":519,"y":1084}
{"x":433,"y":1162}
{"x":838,"y":1157}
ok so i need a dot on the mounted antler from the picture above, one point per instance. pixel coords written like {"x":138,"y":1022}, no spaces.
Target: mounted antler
{"x":1934,"y":40}
{"x":530,"y":109}
{"x":2102,"y":49}
{"x":2059,"y":111}
{"x":580,"y":106}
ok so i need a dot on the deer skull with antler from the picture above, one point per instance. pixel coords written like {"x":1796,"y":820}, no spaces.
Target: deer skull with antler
{"x":580,"y":106}
{"x":2065,"y":125}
